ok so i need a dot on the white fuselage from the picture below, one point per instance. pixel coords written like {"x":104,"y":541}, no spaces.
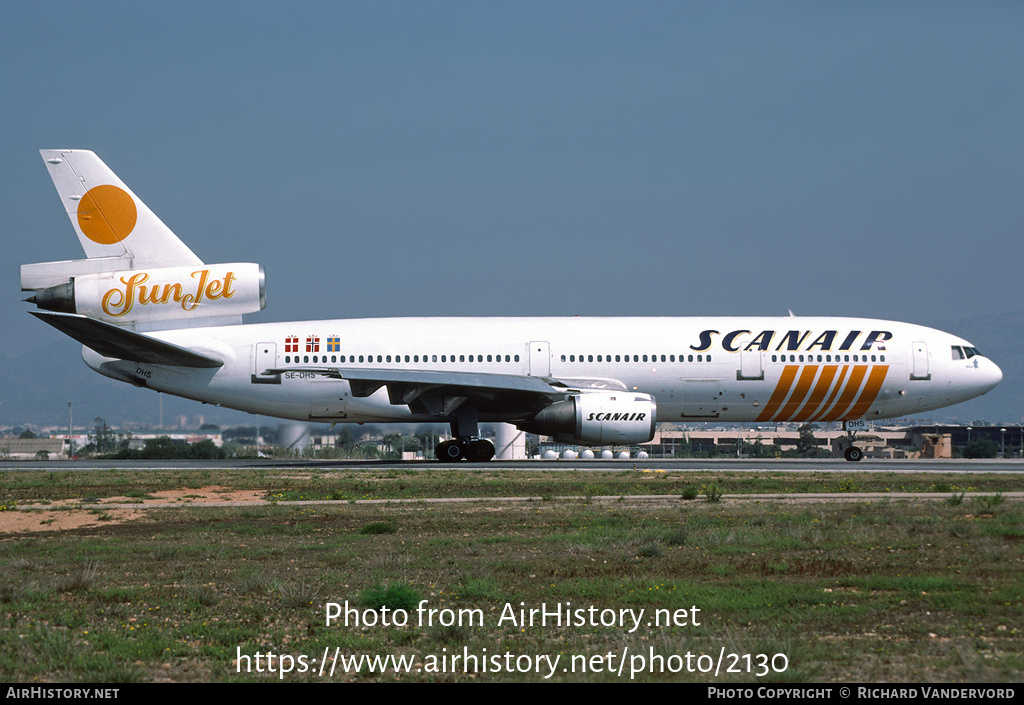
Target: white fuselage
{"x":698,"y":369}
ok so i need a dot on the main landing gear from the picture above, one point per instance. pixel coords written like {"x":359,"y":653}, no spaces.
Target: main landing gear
{"x":467,"y":444}
{"x":475,"y":450}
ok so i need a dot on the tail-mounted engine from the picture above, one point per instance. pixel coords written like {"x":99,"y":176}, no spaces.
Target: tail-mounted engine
{"x":156,"y":294}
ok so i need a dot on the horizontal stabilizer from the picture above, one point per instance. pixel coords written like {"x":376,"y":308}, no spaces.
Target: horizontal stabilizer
{"x":111,"y":341}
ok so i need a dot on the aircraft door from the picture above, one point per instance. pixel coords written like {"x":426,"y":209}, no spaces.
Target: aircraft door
{"x":919,"y":370}
{"x":750,"y":365}
{"x":540,"y":358}
{"x":265,"y":358}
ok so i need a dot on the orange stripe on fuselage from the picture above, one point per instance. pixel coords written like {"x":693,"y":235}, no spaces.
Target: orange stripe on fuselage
{"x":871,"y":389}
{"x":780,"y":393}
{"x":832,"y":396}
{"x":828,"y":372}
{"x":849,"y":393}
{"x":803,"y":386}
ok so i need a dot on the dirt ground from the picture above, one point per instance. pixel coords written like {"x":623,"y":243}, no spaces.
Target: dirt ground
{"x":77,"y":513}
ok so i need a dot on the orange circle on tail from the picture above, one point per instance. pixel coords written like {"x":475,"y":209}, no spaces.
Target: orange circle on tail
{"x":107,"y":214}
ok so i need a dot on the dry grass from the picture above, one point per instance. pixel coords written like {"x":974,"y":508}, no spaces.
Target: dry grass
{"x":867,"y":591}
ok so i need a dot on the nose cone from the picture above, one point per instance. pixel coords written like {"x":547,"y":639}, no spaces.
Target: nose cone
{"x":991,"y":376}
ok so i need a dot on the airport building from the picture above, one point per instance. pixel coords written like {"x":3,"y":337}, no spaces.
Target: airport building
{"x":924,"y":441}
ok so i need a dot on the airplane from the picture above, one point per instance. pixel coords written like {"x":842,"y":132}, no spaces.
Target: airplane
{"x":151,"y":313}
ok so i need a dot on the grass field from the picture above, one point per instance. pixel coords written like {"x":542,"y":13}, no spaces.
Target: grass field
{"x":751,"y":590}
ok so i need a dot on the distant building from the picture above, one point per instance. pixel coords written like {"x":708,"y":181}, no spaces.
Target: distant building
{"x":33,"y":448}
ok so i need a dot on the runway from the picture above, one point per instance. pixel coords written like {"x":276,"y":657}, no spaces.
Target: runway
{"x":958,"y":466}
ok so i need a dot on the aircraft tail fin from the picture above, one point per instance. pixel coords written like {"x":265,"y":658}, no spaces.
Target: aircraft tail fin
{"x":110,"y":220}
{"x":137,"y":273}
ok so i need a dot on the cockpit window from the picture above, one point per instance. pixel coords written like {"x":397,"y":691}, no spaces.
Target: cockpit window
{"x":958,"y":353}
{"x":971,"y":352}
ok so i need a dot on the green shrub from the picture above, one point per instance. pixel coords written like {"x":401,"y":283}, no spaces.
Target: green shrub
{"x":396,"y":596}
{"x":379,"y":527}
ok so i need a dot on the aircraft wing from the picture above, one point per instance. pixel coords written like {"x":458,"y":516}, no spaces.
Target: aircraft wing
{"x":365,"y":382}
{"x":438,"y":392}
{"x":111,"y":341}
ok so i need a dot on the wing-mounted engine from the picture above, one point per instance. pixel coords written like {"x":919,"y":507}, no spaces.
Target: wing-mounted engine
{"x":151,"y":294}
{"x":600,"y":418}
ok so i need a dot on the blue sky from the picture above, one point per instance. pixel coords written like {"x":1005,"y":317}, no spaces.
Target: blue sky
{"x":548,"y":158}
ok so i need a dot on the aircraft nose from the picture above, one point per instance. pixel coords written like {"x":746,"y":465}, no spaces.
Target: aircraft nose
{"x":993,"y":375}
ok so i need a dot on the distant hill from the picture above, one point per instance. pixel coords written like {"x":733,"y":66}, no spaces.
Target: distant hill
{"x":35,"y":387}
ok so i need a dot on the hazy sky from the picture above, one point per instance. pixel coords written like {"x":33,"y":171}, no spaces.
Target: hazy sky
{"x":487,"y":158}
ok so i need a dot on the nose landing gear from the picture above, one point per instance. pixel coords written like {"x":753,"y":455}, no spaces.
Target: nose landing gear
{"x":851,"y":452}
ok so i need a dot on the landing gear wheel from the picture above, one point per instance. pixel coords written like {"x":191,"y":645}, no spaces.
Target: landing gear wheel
{"x":853,"y":454}
{"x":449,"y":451}
{"x":480,"y":451}
{"x":475,"y":451}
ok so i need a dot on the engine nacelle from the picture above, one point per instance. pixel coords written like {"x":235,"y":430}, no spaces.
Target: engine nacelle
{"x":163,"y":293}
{"x":599,"y":418}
